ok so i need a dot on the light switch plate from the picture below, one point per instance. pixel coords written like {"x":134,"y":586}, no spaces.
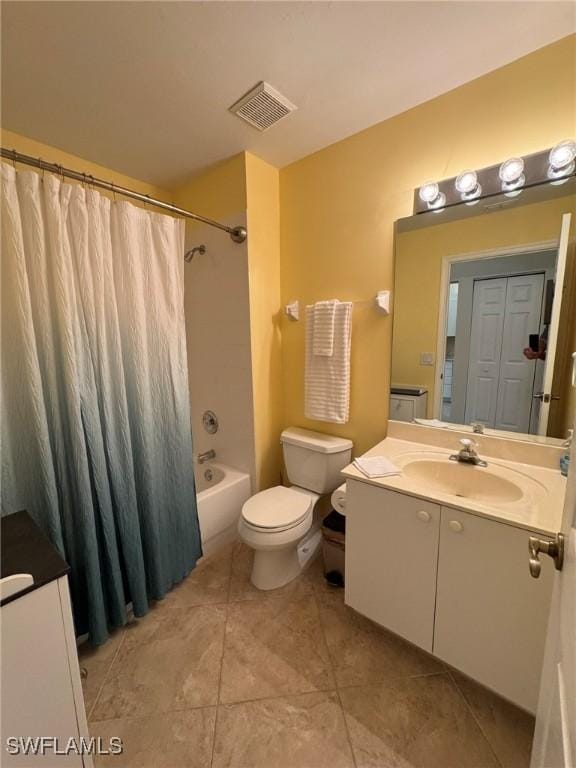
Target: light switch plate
{"x":426,"y":358}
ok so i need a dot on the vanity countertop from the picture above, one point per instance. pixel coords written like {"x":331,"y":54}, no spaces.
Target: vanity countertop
{"x":25,"y":549}
{"x":539,"y":510}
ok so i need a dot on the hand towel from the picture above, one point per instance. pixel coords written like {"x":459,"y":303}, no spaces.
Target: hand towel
{"x":327,"y":379}
{"x":338,"y":499}
{"x":323,"y":338}
{"x":430,"y":422}
{"x":377,"y":466}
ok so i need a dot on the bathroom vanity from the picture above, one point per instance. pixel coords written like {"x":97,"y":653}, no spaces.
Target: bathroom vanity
{"x":439,"y":554}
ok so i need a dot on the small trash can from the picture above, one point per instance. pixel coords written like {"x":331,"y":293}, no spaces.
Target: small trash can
{"x":333,"y":547}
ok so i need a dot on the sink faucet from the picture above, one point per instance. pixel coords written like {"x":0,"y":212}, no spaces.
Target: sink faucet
{"x":477,"y":427}
{"x":467,"y":454}
{"x":206,"y":456}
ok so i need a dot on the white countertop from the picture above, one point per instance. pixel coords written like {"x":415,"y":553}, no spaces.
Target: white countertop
{"x":539,"y":510}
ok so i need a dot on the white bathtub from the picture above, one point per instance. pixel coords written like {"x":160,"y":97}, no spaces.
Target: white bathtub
{"x":221,"y":491}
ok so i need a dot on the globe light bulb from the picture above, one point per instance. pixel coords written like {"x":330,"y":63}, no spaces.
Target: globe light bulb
{"x":429,"y":192}
{"x":511,"y":171}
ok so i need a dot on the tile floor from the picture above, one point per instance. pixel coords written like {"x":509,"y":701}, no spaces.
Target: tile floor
{"x":221,"y":675}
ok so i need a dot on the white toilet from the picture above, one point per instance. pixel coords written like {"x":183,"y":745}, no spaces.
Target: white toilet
{"x":279,"y":523}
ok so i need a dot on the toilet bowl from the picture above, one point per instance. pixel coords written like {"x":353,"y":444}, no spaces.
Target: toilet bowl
{"x":276,"y":521}
{"x":273,"y":523}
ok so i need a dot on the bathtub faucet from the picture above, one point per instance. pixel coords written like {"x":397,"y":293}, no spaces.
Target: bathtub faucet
{"x":206,"y":456}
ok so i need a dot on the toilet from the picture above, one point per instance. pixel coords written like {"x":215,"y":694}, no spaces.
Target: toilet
{"x":279,"y":523}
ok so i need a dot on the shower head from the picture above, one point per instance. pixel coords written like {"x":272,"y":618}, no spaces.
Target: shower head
{"x":189,"y":255}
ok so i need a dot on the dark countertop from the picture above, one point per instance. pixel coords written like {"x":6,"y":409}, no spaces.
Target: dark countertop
{"x":25,"y":549}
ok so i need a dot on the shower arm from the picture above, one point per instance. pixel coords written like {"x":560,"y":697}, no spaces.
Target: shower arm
{"x":237,"y":234}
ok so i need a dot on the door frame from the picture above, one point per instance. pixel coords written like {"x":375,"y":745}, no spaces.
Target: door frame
{"x":447,"y":261}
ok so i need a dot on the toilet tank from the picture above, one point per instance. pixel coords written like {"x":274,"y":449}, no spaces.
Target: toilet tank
{"x":314,"y":460}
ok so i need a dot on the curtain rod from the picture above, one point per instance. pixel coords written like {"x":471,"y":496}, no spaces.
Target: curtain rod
{"x":237,"y":234}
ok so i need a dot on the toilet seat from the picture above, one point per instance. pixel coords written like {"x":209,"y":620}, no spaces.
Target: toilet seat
{"x":277,"y":509}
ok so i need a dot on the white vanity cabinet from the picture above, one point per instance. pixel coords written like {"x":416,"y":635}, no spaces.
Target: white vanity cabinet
{"x":451,"y":582}
{"x":491,"y":615}
{"x":391,"y":560}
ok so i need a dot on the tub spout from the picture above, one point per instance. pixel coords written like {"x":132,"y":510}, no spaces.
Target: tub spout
{"x":206,"y":456}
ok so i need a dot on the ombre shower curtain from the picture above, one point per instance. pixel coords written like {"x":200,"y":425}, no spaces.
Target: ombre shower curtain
{"x":96,"y":440}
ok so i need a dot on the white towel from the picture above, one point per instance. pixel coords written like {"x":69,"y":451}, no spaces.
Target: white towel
{"x":323,"y":338}
{"x":430,"y":422}
{"x":327,"y":379}
{"x":376,"y":466}
{"x":338,"y":499}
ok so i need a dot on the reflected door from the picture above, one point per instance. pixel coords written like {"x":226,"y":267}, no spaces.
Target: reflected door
{"x":500,"y":379}
{"x":516,"y":385}
{"x":488,"y":309}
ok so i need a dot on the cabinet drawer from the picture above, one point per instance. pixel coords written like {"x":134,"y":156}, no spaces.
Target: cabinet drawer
{"x":491,"y":615}
{"x":391,"y":559}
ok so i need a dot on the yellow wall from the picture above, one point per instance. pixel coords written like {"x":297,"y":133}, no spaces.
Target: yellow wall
{"x":420,"y":253}
{"x":218,"y":192}
{"x":338,"y":208}
{"x":263,"y":193}
{"x":35,"y":148}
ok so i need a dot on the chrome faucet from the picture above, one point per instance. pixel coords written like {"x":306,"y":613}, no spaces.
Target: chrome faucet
{"x":206,"y":456}
{"x":467,"y":454}
{"x":477,"y":427}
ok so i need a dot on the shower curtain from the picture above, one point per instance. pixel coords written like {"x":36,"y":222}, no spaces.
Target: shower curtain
{"x":96,"y":440}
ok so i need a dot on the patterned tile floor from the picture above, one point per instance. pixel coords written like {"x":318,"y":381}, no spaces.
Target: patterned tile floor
{"x":220,"y":675}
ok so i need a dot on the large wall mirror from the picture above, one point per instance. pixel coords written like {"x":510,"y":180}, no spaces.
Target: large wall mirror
{"x":485,"y":314}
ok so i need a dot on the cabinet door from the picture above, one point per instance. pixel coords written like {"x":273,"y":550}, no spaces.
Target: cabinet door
{"x":491,"y":615}
{"x":37,"y":694}
{"x":391,"y":558}
{"x":401,"y":409}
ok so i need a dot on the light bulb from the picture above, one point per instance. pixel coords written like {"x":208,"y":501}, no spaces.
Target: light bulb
{"x":438,"y":203}
{"x":468,"y":186}
{"x":466,"y":182}
{"x":562,"y":156}
{"x":511,"y":171}
{"x":429,"y":192}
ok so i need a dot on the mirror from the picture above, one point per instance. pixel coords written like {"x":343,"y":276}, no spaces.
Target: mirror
{"x":485,"y":315}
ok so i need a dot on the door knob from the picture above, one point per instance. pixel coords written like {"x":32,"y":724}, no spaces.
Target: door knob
{"x":424,"y":516}
{"x":554,"y":548}
{"x":456,"y":526}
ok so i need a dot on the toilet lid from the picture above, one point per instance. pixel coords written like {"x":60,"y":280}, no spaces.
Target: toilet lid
{"x":277,"y":507}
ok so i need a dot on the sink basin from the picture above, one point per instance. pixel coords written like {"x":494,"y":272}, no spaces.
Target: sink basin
{"x":466,"y":480}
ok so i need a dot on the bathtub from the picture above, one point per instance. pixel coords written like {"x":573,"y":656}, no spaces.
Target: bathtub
{"x":221,"y":491}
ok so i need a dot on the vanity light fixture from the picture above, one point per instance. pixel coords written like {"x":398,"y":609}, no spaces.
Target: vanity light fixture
{"x":511,"y":174}
{"x":562,"y":160}
{"x":510,"y":178}
{"x":468,"y":186}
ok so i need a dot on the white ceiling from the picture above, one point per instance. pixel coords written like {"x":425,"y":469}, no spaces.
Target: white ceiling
{"x":144,"y":87}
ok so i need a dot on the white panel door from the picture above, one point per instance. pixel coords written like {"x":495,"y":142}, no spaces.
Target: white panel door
{"x":560,"y":291}
{"x":391,"y":559}
{"x":555,"y":736}
{"x":516,"y":385}
{"x":488,"y":308}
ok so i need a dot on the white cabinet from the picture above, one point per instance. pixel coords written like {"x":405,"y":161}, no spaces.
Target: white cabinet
{"x":491,"y":615}
{"x":453,"y":583}
{"x":391,"y":559}
{"x":41,"y":688}
{"x":407,"y":407}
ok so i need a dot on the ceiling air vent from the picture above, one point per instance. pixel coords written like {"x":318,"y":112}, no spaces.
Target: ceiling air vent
{"x":262,"y":107}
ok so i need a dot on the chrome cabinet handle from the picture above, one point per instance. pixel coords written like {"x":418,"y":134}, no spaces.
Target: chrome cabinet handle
{"x":554,"y":548}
